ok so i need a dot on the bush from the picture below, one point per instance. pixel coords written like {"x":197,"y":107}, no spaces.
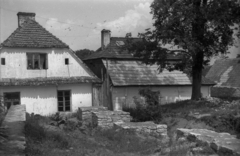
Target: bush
{"x":33,"y":129}
{"x":147,"y":109}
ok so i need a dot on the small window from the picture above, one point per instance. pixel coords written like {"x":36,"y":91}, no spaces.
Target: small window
{"x":36,"y":61}
{"x":3,"y":61}
{"x":64,"y":100}
{"x":66,"y":61}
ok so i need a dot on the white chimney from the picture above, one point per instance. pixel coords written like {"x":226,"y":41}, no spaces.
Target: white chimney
{"x":105,"y":38}
{"x":24,"y":16}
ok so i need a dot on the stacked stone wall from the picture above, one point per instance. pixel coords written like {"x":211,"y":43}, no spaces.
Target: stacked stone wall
{"x":106,"y":119}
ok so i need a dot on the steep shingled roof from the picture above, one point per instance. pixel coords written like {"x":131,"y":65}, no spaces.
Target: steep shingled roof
{"x":115,"y":50}
{"x":33,"y":35}
{"x":124,"y":73}
{"x":225,"y":72}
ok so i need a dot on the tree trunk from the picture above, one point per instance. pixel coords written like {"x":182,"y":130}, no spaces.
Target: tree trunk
{"x":197,"y":76}
{"x":198,"y":27}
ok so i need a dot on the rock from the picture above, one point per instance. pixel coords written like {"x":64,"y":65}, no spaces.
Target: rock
{"x":222,"y":143}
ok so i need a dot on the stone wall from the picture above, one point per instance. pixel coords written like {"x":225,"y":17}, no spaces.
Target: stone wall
{"x":147,"y":128}
{"x":106,"y":119}
{"x":84,"y":114}
{"x":14,"y":123}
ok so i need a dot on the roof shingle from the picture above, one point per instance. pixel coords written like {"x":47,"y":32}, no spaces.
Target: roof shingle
{"x":116,"y":50}
{"x":124,"y":73}
{"x":33,"y":35}
{"x":225,"y":72}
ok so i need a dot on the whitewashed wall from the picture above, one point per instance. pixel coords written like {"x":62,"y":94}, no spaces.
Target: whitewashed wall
{"x":43,"y":99}
{"x":169,"y":94}
{"x":16,"y":64}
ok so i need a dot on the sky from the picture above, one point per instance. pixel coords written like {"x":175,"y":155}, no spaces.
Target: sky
{"x":78,"y":23}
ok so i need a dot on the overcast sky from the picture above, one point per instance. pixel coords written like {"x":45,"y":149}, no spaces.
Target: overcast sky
{"x":78,"y":23}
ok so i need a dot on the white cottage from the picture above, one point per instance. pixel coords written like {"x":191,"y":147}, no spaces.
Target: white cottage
{"x":124,"y":75}
{"x":40,"y":71}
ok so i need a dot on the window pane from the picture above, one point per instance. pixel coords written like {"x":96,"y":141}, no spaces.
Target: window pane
{"x":67,"y":108}
{"x":42,"y":61}
{"x":67,"y":98}
{"x":60,"y":99}
{"x":29,"y":61}
{"x":60,"y":93}
{"x":36,"y":61}
{"x":67,"y":103}
{"x":60,"y":108}
{"x":67,"y":93}
{"x":60,"y":104}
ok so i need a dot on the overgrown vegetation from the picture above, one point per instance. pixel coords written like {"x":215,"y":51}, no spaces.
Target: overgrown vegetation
{"x":3,"y":111}
{"x":147,"y":108}
{"x":41,"y":141}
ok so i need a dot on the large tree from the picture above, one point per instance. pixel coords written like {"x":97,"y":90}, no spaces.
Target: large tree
{"x":83,"y":53}
{"x":200,"y":28}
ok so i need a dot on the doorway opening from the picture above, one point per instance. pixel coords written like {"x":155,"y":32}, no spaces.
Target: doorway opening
{"x":11,"y":98}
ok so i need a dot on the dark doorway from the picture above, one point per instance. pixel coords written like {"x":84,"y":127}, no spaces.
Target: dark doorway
{"x":12,"y":98}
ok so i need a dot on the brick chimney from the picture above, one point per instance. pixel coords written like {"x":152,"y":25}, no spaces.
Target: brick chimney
{"x":24,"y":16}
{"x":105,"y":38}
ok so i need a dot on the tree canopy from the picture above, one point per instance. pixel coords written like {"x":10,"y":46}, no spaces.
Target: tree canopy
{"x":200,"y":29}
{"x":83,"y":53}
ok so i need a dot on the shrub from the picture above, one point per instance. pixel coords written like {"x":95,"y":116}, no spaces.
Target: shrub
{"x":147,"y":109}
{"x":33,"y":129}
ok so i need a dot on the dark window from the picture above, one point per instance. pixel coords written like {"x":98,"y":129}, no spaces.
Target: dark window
{"x":36,"y":61}
{"x":3,"y":61}
{"x":66,"y":61}
{"x":64,"y":100}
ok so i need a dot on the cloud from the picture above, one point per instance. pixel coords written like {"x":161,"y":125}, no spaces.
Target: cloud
{"x":55,"y":24}
{"x":134,"y":21}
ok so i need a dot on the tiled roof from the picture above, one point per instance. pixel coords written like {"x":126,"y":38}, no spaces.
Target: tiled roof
{"x":48,"y":81}
{"x":115,"y":50}
{"x":124,"y":73}
{"x":33,"y":35}
{"x":225,"y":72}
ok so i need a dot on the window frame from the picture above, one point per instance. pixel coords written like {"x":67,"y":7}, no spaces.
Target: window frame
{"x":64,"y":101}
{"x":32,"y":58}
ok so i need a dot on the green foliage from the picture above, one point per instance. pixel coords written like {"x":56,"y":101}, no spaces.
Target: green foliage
{"x":200,"y":29}
{"x":224,"y":121}
{"x":83,"y":53}
{"x":121,"y":141}
{"x":148,"y":109}
{"x":37,"y":136}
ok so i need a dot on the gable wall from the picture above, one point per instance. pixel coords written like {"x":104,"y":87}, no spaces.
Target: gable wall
{"x":16,"y":64}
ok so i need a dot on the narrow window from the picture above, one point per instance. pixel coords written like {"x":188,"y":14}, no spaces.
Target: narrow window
{"x":36,"y":61}
{"x":64,"y":100}
{"x":66,"y":61}
{"x":3,"y":61}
